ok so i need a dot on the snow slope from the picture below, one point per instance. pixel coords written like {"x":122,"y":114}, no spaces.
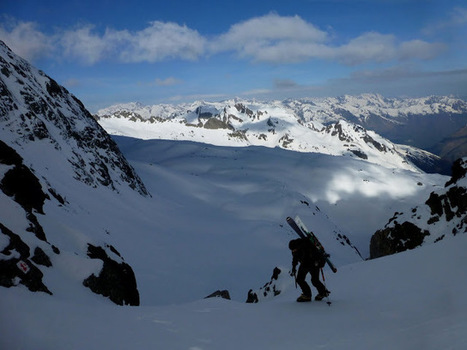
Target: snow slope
{"x":216,"y":218}
{"x":412,"y":300}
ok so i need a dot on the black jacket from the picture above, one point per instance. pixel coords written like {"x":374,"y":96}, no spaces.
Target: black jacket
{"x":305,"y":253}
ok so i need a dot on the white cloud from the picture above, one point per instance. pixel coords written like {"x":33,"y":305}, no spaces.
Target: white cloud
{"x":157,"y":42}
{"x":25,"y":39}
{"x":372,"y":46}
{"x":379,"y":48}
{"x":284,"y":40}
{"x":84,"y":45}
{"x":270,"y":38}
{"x":271,"y":28}
{"x":160,"y":41}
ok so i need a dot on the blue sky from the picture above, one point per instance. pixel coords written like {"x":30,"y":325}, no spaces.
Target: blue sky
{"x":108,"y":52}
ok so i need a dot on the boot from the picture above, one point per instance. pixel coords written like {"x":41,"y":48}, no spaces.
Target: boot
{"x":321,"y":296}
{"x":304,"y":298}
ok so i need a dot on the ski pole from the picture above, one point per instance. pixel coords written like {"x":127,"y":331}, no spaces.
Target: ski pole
{"x":324,"y":282}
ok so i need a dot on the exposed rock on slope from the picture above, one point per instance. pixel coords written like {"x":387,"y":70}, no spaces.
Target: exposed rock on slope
{"x":270,"y":289}
{"x":443,"y":214}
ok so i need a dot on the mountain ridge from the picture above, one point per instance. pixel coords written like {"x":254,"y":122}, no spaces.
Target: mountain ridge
{"x":271,"y":124}
{"x":300,"y":125}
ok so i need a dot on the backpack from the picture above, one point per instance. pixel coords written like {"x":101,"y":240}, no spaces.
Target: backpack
{"x":313,"y":254}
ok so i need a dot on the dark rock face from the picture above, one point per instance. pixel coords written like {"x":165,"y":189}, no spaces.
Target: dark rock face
{"x":459,"y":171}
{"x":40,"y":258}
{"x":116,"y":280}
{"x":24,"y":188}
{"x":214,"y":123}
{"x":19,"y":182}
{"x":447,"y":208}
{"x":270,"y":289}
{"x":396,"y":239}
{"x":452,"y":204}
{"x":17,"y":267}
{"x":224,"y":294}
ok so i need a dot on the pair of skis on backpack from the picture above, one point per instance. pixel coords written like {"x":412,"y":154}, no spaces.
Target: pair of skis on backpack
{"x":299,"y":227}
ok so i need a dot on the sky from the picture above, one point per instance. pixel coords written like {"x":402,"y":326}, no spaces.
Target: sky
{"x":108,"y":52}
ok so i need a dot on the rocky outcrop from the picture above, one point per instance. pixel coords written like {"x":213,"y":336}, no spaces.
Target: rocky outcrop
{"x":116,"y":280}
{"x":18,"y":267}
{"x":396,"y":239}
{"x":270,"y":289}
{"x":443,"y":214}
{"x":224,"y":294}
{"x":19,"y":182}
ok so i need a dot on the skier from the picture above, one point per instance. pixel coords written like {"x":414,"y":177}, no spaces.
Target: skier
{"x":311,"y":261}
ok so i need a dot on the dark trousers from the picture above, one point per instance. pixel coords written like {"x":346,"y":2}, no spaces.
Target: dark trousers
{"x":314,"y":272}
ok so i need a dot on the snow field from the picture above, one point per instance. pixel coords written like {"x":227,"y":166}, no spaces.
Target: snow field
{"x":412,"y":300}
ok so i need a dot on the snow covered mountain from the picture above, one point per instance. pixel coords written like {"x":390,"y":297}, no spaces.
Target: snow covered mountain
{"x":330,"y":126}
{"x":420,"y":122}
{"x":50,"y":149}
